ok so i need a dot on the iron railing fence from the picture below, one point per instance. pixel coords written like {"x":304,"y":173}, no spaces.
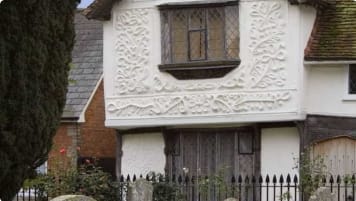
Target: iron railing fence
{"x":243,"y":188}
{"x":31,"y":193}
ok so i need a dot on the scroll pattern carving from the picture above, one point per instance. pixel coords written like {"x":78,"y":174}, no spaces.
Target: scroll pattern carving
{"x":267,"y":46}
{"x":132,"y":51}
{"x":199,"y":104}
{"x":265,"y":70}
{"x":268,"y":51}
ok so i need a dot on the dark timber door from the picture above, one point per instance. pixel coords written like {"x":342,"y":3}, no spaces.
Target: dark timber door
{"x":202,"y":152}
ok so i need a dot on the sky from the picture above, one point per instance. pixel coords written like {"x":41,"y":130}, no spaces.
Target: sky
{"x":83,"y":3}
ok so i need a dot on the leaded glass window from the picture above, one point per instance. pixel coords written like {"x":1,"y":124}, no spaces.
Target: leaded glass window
{"x":352,"y":79}
{"x":200,"y":36}
{"x":196,"y":34}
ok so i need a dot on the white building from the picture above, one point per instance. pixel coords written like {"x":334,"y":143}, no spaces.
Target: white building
{"x":242,"y":85}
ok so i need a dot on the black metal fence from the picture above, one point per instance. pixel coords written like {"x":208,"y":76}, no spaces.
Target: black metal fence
{"x":31,"y":193}
{"x":243,"y":188}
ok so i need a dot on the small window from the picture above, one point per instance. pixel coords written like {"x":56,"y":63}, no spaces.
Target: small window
{"x":200,"y":41}
{"x":352,"y":79}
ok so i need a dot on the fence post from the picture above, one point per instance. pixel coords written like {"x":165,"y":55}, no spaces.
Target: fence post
{"x":233,"y":181}
{"x":274,"y":181}
{"x":253,"y":187}
{"x":353,"y":180}
{"x":288,"y":187}
{"x":193,"y":187}
{"x":260,"y":181}
{"x":186,"y":182}
{"x":240,"y":188}
{"x":295,"y":180}
{"x":338,"y":181}
{"x":281,"y":181}
{"x":345,"y":183}
{"x":267,"y":186}
{"x":331,"y":181}
{"x":247,"y":182}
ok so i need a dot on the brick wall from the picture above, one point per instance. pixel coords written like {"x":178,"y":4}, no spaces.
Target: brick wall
{"x":97,"y":140}
{"x":92,"y":137}
{"x":66,"y":138}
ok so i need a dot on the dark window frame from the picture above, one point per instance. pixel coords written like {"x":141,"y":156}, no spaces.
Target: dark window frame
{"x":206,"y":66}
{"x":352,"y":79}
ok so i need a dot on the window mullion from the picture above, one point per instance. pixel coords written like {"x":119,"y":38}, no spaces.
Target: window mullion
{"x":225,"y":32}
{"x":170,"y":14}
{"x":199,"y":42}
{"x":188,"y":30}
{"x":206,"y":34}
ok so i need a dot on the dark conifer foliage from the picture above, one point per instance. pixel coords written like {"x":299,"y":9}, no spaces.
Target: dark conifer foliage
{"x":36,"y":40}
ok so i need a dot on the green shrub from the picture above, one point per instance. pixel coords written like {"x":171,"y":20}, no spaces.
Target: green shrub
{"x":88,"y":180}
{"x":164,"y":192}
{"x":36,"y":41}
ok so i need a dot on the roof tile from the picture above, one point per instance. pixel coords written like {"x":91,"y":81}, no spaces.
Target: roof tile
{"x":87,"y":59}
{"x":334,"y":33}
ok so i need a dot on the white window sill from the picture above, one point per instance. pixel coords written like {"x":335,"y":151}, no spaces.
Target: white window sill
{"x":349,"y":97}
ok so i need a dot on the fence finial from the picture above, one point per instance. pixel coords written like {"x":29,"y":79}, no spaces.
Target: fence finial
{"x":288,"y":179}
{"x":281,"y":179}
{"x":295,"y":179}
{"x":274,"y":180}
{"x":233,"y":179}
{"x":240,"y":179}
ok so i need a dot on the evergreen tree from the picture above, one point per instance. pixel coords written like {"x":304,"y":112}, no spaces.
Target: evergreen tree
{"x":36,"y":40}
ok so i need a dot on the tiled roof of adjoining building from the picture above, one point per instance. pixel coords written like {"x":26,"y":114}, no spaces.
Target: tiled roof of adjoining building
{"x":334,"y":33}
{"x":87,"y":68}
{"x":333,"y":36}
{"x":99,"y":9}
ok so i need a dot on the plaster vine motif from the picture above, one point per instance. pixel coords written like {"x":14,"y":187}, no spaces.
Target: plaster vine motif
{"x":265,"y":69}
{"x":268,"y":52}
{"x":198,"y":104}
{"x":132,"y":51}
{"x":267,"y":46}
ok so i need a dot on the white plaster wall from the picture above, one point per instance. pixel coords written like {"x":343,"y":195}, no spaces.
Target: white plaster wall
{"x":308,"y":15}
{"x":279,"y":147}
{"x":142,"y":153}
{"x":327,"y":91}
{"x":265,"y":87}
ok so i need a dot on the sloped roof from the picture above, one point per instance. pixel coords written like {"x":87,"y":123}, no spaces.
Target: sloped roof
{"x":334,"y":33}
{"x":333,"y":36}
{"x":87,"y":68}
{"x":99,"y":9}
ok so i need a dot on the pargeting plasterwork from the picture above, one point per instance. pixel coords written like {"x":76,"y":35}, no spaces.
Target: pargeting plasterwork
{"x":142,"y":91}
{"x":198,"y":104}
{"x":132,"y":51}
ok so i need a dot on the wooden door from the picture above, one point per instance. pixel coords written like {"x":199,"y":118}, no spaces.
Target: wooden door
{"x":339,"y":155}
{"x":209,"y":151}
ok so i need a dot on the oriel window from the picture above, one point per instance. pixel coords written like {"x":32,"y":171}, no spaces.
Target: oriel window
{"x":202,"y":36}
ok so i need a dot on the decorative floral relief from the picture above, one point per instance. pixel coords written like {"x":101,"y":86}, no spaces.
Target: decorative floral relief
{"x":268,"y":54}
{"x":267,"y":46}
{"x":266,"y":69}
{"x":199,"y":104}
{"x":132,"y":51}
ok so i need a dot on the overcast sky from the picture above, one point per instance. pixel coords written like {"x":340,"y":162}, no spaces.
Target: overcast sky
{"x":83,"y":3}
